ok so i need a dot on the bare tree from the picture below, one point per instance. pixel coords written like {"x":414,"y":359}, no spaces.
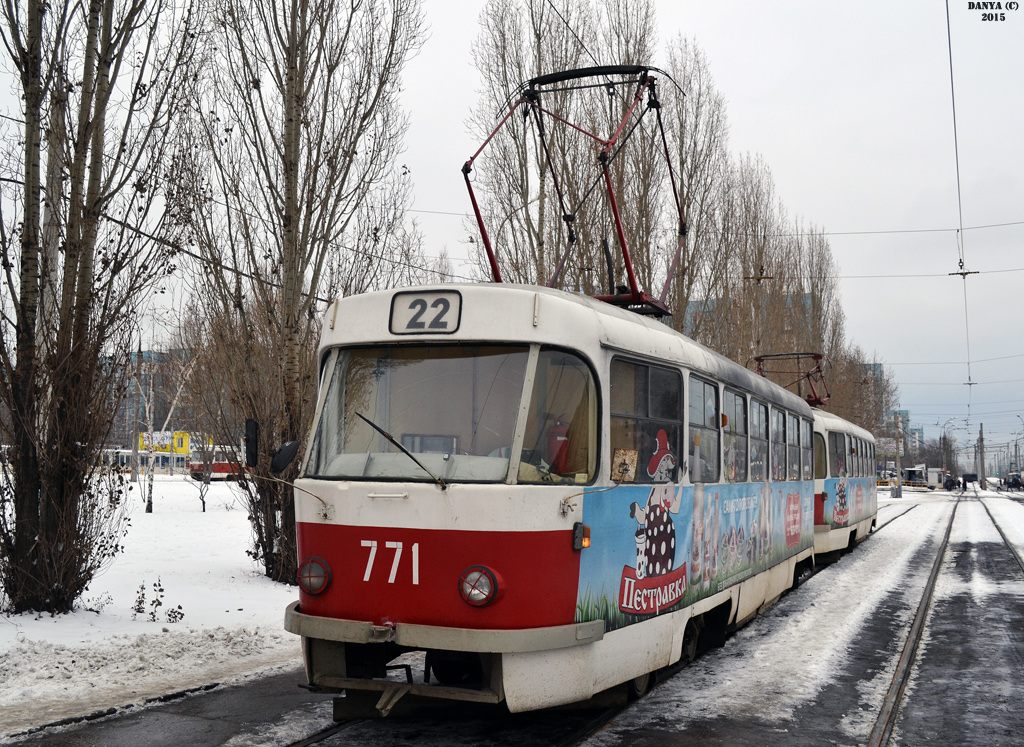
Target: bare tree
{"x":699,"y":137}
{"x":110,"y":72}
{"x":299,"y":122}
{"x":750,"y":279}
{"x":182,"y":371}
{"x":864,"y":391}
{"x":520,"y":40}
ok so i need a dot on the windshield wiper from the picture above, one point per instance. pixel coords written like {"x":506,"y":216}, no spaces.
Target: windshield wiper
{"x":401,"y":448}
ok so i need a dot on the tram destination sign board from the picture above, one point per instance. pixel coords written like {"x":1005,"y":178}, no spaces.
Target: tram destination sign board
{"x":426,"y":313}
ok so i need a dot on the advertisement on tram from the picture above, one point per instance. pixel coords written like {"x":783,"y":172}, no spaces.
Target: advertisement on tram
{"x":659,"y":548}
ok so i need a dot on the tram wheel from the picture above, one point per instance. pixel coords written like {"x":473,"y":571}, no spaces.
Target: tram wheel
{"x":802,"y":573}
{"x":457,"y":670}
{"x":638,"y":687}
{"x":690,"y":636}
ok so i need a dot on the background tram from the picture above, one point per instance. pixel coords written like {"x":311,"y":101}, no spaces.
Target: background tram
{"x":535,"y":496}
{"x":845,"y":486}
{"x":219,"y":462}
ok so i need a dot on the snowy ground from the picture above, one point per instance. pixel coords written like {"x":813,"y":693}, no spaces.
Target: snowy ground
{"x":106,"y":655}
{"x":53,"y":668}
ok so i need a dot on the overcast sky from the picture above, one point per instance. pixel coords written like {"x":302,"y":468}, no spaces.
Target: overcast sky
{"x":851,"y":106}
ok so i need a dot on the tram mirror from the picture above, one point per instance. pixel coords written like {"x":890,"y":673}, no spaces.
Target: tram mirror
{"x":281,"y":458}
{"x":252,"y":442}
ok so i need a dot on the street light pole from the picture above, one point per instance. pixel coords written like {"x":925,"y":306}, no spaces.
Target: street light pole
{"x":945,"y":445}
{"x":1017,"y":446}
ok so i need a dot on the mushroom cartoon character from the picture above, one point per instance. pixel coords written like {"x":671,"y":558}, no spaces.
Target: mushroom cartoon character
{"x":656,"y":532}
{"x":662,"y":466}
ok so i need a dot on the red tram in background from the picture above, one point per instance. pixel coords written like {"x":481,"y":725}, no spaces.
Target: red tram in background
{"x":225,"y":463}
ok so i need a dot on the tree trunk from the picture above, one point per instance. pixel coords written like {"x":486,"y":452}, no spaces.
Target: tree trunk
{"x":29,"y":594}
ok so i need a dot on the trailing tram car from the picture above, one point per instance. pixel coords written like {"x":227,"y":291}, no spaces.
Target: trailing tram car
{"x":545,"y":494}
{"x":845,"y":486}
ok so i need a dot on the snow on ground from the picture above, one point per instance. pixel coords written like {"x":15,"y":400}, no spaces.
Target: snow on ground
{"x":1010,"y":515}
{"x":974,"y":525}
{"x":107,"y":655}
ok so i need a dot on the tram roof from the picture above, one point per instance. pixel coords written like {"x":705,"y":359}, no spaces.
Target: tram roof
{"x":833,"y":422}
{"x":530,"y":313}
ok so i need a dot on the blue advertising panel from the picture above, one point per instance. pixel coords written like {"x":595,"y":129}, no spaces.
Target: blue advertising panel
{"x":849,"y":500}
{"x":657,"y":548}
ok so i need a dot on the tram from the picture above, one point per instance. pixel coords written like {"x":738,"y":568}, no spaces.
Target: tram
{"x":545,"y":494}
{"x":225,"y":463}
{"x":537,"y":495}
{"x":845,"y":486}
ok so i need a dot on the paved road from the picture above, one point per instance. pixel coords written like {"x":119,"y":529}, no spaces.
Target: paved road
{"x":262,"y":711}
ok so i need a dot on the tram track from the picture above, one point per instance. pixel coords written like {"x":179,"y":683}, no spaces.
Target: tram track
{"x":894,"y":699}
{"x":327,"y":733}
{"x":899,"y":515}
{"x":1006,"y":540}
{"x":882,"y":729}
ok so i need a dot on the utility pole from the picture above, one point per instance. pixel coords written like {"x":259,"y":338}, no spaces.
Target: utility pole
{"x":981,"y":456}
{"x":897,"y":431}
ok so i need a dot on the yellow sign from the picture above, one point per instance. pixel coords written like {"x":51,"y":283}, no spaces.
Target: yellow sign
{"x":167,"y":442}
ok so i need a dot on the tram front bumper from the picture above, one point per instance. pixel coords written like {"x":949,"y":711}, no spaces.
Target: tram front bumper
{"x":436,"y":637}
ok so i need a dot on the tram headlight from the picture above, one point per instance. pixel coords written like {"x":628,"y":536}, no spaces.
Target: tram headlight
{"x":478,"y":586}
{"x":314,"y":576}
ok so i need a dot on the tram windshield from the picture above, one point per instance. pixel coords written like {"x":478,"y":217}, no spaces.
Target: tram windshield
{"x":457,"y":409}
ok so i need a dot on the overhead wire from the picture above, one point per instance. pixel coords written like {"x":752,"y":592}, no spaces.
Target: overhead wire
{"x":573,"y":32}
{"x":218,"y":264}
{"x":960,"y":210}
{"x":799,"y":234}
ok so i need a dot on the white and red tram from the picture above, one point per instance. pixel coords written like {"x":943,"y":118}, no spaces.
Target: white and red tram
{"x":546,"y":494}
{"x":845,"y":487}
{"x":225,"y":463}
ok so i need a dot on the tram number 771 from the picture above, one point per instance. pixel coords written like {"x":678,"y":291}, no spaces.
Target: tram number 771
{"x":397,"y":547}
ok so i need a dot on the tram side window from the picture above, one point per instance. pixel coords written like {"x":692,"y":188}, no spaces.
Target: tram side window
{"x":646,"y":422}
{"x":778,"y":445}
{"x":837,"y":455}
{"x":758,"y":441}
{"x":735,"y":410}
{"x":820,"y":457}
{"x":704,"y":431}
{"x":857,"y":472}
{"x":561,"y":427}
{"x":806,"y":451}
{"x":793,"y":446}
